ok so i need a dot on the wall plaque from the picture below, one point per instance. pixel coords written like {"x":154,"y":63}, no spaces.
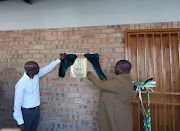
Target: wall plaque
{"x":79,"y":68}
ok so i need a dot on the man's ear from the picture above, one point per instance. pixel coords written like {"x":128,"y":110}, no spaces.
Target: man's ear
{"x":122,"y":69}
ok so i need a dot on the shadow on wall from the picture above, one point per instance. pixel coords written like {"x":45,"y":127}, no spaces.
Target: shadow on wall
{"x":27,"y":1}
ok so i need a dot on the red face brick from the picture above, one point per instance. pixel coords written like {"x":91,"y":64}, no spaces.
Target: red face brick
{"x":70,"y":101}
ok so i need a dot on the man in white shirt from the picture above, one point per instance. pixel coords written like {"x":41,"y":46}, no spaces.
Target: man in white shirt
{"x":27,"y":97}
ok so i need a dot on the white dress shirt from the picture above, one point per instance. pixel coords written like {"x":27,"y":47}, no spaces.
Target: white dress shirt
{"x":27,"y":91}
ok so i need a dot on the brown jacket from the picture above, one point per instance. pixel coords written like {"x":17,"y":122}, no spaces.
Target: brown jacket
{"x":114,"y":104}
{"x":10,"y":129}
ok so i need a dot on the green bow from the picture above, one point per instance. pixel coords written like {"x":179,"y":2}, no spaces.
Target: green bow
{"x":146,"y":114}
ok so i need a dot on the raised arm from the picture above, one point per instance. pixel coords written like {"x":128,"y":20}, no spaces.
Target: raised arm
{"x":51,"y":66}
{"x":111,"y":85}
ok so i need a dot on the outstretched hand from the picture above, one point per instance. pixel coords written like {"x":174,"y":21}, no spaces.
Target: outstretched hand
{"x":89,"y":72}
{"x":103,"y":78}
{"x":63,"y":56}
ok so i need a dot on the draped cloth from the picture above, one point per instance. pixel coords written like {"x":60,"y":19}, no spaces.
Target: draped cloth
{"x":94,"y":59}
{"x":68,"y":61}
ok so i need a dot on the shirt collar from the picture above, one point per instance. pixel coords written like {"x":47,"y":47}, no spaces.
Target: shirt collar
{"x":26,"y":77}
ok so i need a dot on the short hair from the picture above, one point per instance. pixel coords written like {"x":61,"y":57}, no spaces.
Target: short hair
{"x":125,"y":64}
{"x":29,"y":65}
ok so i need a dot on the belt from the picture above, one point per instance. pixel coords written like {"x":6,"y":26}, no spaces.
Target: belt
{"x":34,"y":108}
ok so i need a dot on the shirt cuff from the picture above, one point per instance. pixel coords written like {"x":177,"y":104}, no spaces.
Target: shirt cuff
{"x":20,"y":122}
{"x":58,"y":60}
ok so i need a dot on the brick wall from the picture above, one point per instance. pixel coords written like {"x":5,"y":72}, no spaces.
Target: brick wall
{"x":66,"y":103}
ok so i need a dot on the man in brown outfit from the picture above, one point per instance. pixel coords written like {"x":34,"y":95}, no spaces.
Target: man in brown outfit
{"x":114,"y":104}
{"x":10,"y":129}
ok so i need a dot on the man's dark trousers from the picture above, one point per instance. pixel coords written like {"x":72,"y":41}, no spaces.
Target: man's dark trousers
{"x":31,"y":118}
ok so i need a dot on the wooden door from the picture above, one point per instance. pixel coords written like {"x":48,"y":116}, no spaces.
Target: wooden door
{"x":156,"y":53}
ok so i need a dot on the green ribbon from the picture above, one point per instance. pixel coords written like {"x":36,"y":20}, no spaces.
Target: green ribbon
{"x":146,"y":114}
